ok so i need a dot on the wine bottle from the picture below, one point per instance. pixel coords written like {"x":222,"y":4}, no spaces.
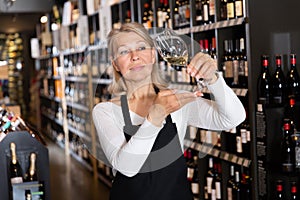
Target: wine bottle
{"x":223,"y":10}
{"x":16,"y":174}
{"x":236,"y":191}
{"x":264,"y":82}
{"x":195,"y":182}
{"x":176,"y":18}
{"x":246,"y":187}
{"x":209,"y":177}
{"x":213,"y":49}
{"x":160,"y":14}
{"x":205,"y":9}
{"x":278,"y":83}
{"x":199,"y":12}
{"x":243,"y":68}
{"x":236,"y":64}
{"x":217,"y":181}
{"x":28,"y":195}
{"x":287,"y":150}
{"x":279,"y":190}
{"x":31,"y":174}
{"x":294,"y":194}
{"x":212,"y":11}
{"x":230,"y":183}
{"x":293,"y":80}
{"x":228,"y":62}
{"x":147,"y":16}
{"x":290,"y":111}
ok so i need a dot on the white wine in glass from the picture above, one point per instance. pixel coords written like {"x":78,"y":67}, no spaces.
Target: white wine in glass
{"x":173,"y":49}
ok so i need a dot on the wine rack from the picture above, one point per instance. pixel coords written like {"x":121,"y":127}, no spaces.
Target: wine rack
{"x":56,"y":75}
{"x":25,"y":145}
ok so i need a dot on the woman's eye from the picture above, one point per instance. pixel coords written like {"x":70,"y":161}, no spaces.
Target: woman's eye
{"x":141,"y":48}
{"x":124,"y":52}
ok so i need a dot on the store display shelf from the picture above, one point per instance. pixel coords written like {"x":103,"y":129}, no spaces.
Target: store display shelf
{"x":80,"y":79}
{"x":78,"y":106}
{"x":101,"y":81}
{"x":208,"y":149}
{"x":213,"y":26}
{"x":79,"y":133}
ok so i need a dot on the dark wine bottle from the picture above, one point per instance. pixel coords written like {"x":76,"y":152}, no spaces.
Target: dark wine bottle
{"x":243,"y":68}
{"x":16,"y":174}
{"x":278,"y":83}
{"x":264,"y":82}
{"x":236,"y":191}
{"x":205,"y":11}
{"x":294,"y":195}
{"x":28,"y":195}
{"x":293,"y":80}
{"x":209,"y":176}
{"x":223,"y":10}
{"x":230,"y":183}
{"x":31,"y":174}
{"x":279,"y":190}
{"x":195,"y":182}
{"x":246,"y":186}
{"x":287,"y":150}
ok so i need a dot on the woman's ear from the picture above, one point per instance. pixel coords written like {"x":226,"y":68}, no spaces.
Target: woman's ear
{"x":115,"y":65}
{"x":153,"y":55}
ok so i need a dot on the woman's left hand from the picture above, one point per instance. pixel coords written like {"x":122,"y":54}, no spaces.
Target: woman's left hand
{"x":203,"y":66}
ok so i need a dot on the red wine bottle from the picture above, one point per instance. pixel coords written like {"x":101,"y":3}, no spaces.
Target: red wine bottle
{"x":230,"y":183}
{"x":278,"y":83}
{"x":264,"y":82}
{"x":287,"y":150}
{"x":279,"y":190}
{"x":293,"y":80}
{"x":294,"y":195}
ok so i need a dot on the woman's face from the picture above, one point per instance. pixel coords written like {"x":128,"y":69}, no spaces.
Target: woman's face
{"x":133,"y":57}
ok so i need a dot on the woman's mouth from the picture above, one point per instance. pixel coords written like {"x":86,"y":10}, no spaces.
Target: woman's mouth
{"x":137,"y":68}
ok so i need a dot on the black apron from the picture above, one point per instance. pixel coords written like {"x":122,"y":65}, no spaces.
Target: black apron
{"x":167,"y":181}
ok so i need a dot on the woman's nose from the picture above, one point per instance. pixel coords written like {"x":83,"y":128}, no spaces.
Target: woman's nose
{"x":134,"y":55}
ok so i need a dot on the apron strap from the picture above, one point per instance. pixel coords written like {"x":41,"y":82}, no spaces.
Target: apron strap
{"x":129,"y":129}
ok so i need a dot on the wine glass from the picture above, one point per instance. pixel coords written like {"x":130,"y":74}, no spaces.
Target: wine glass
{"x":174,"y":50}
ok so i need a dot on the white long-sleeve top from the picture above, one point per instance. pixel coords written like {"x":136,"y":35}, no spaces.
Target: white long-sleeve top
{"x":225,"y":112}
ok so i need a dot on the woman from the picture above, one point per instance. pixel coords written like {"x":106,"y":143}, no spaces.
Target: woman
{"x":142,"y":129}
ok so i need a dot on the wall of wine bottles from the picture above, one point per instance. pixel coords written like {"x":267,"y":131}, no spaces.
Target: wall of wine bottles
{"x":75,"y":75}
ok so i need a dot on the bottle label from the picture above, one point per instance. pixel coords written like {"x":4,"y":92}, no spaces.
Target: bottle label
{"x":228,"y":69}
{"x":230,"y":10}
{"x":229,"y":193}
{"x":218,"y":190}
{"x":190,"y":173}
{"x":205,"y":12}
{"x":195,"y":188}
{"x":297,"y":160}
{"x":16,"y":180}
{"x":238,"y":9}
{"x":209,"y":182}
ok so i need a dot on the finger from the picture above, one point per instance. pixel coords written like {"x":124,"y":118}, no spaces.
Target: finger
{"x":185,"y":98}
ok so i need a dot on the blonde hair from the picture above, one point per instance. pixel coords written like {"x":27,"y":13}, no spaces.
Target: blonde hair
{"x":118,"y":85}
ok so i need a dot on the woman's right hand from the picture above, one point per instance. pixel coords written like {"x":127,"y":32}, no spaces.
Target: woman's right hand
{"x":166,"y":102}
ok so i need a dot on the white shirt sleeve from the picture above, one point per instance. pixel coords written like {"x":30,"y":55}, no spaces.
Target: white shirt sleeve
{"x":125,"y":157}
{"x":224,"y":112}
